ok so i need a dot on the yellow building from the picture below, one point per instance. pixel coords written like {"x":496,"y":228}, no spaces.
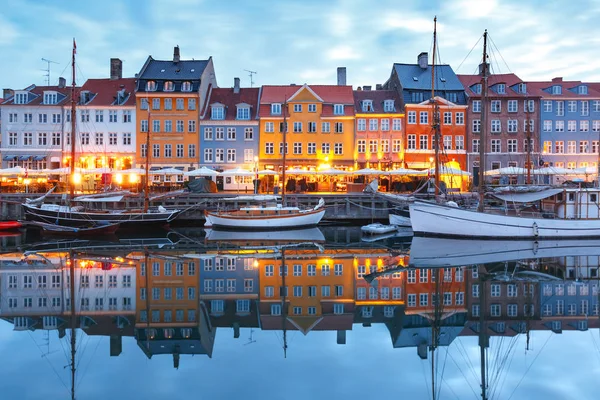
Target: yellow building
{"x":320,"y":126}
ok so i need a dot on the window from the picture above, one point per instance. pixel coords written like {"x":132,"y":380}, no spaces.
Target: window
{"x":276,"y":109}
{"x":495,"y":310}
{"x":85,"y":139}
{"x":297,"y":147}
{"x":191,"y":104}
{"x":496,"y":146}
{"x":584,"y":146}
{"x":21,"y":98}
{"x":447,"y":142}
{"x":388,"y":105}
{"x":496,"y":290}
{"x":412,"y":300}
{"x":168,"y":125}
{"x":476,"y":126}
{"x":459,"y":142}
{"x":179,"y":125}
{"x":220,"y":134}
{"x":217,"y":112}
{"x":512,"y":125}
{"x":243,"y":113}
{"x":571,"y":126}
{"x":269,"y":148}
{"x":496,"y":106}
{"x":423,"y":142}
{"x":572,"y":106}
{"x":112,"y":281}
{"x":559,"y":126}
{"x":373,"y":124}
{"x":361,"y":145}
{"x":155,"y":126}
{"x":373,"y":146}
{"x":325,"y":148}
{"x":99,"y":138}
{"x":338,"y":109}
{"x":231,"y":133}
{"x":269,"y":127}
{"x":447,"y":118}
{"x":339,"y":127}
{"x":385,"y":124}
{"x":297,"y":127}
{"x":168,"y":150}
{"x":571,"y":145}
{"x":460,"y":118}
{"x":496,"y":126}
{"x":560,"y":108}
{"x":325,"y":127}
{"x":423,"y":117}
{"x":512,"y":145}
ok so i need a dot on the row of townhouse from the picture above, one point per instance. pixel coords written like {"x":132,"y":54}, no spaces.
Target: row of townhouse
{"x":177,"y":107}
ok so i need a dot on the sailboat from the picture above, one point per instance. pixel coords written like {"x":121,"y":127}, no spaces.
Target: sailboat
{"x":566,"y":213}
{"x":268,"y":217}
{"x":78,"y":216}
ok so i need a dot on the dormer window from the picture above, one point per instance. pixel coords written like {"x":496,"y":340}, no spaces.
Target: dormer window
{"x":21,"y":98}
{"x":151,"y":86}
{"x":338,"y":109}
{"x":84,"y":97}
{"x":50,"y":97}
{"x":169,"y":87}
{"x":186,"y":86}
{"x":476,"y":88}
{"x":556,"y":89}
{"x":501,"y":88}
{"x":121,"y":97}
{"x":523,"y":88}
{"x":388,"y":105}
{"x":367,"y":106}
{"x":275,"y":109}
{"x":217,"y":112}
{"x":582,"y":89}
{"x":243,"y":112}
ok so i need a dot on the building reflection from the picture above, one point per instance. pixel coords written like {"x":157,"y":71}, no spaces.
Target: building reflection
{"x":173,"y":302}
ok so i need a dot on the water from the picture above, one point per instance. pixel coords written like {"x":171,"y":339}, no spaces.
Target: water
{"x":189,"y":313}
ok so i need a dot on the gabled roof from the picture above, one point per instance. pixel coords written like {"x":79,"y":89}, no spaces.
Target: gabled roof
{"x":104,"y":91}
{"x":378,"y":97}
{"x":37,"y":95}
{"x":510,"y":80}
{"x":544,"y":89}
{"x":167,"y":70}
{"x":408,"y":72}
{"x":332,"y":94}
{"x":230,"y":100}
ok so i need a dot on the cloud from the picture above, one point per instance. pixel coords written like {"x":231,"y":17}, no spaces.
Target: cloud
{"x":343,"y":52}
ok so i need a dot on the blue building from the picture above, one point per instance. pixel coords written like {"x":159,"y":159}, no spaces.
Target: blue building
{"x":229,"y":133}
{"x":569,"y":302}
{"x":570,"y":123}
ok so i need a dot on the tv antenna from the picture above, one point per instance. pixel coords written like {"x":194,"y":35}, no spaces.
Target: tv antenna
{"x":47,"y":70}
{"x":251,"y":75}
{"x":250,"y":339}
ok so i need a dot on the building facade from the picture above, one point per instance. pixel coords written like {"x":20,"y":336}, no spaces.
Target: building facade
{"x":33,"y":126}
{"x":511,"y":117}
{"x":570,"y":123}
{"x":229,"y":133}
{"x":169,"y":95}
{"x":379,"y":131}
{"x":320,"y":126}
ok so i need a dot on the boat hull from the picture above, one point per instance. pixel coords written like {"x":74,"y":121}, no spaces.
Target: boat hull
{"x":399,"y":220}
{"x":297,"y":220}
{"x":94,"y":231}
{"x":429,"y":219}
{"x":74,"y":218}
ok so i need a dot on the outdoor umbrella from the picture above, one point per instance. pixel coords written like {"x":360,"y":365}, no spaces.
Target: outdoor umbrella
{"x":406,"y":172}
{"x":203,"y":171}
{"x":506,"y":171}
{"x":368,"y":171}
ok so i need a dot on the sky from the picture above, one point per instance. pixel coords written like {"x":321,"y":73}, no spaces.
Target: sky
{"x":367,"y":366}
{"x":298,"y":41}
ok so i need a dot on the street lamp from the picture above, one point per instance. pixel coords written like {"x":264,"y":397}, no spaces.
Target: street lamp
{"x":256,"y":170}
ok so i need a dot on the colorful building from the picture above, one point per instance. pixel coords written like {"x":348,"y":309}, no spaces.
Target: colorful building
{"x":570,"y":123}
{"x":413,"y":84}
{"x":169,"y":95}
{"x":510,"y":105}
{"x":229,"y":133}
{"x":33,"y":125}
{"x":379,"y":131}
{"x":320,"y":121}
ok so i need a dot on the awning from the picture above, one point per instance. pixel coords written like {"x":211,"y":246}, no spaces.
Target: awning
{"x":9,"y":158}
{"x":527,"y":197}
{"x":418,"y":165}
{"x":39,"y":158}
{"x":24,"y":158}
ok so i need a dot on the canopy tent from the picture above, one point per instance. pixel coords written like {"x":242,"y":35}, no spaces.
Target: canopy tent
{"x":139,"y":171}
{"x":554,"y":171}
{"x":267,"y":172}
{"x":507,"y":171}
{"x":203,"y":171}
{"x":97,"y":171}
{"x":237,"y":172}
{"x":332,"y":172}
{"x":368,"y":171}
{"x":449,"y":171}
{"x":167,"y":171}
{"x":406,"y":172}
{"x":294,"y":171}
{"x":12,"y":171}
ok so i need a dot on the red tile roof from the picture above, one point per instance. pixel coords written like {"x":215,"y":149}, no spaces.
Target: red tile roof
{"x":39,"y":92}
{"x":508,"y":79}
{"x":229,"y":99}
{"x":332,"y":94}
{"x":105,"y":91}
{"x":538,"y":89}
{"x":378,"y":97}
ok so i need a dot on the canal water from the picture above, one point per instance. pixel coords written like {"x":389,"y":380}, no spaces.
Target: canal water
{"x":324,"y":313}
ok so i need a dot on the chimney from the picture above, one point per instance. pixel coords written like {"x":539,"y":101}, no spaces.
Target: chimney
{"x":341,"y":76}
{"x":423,"y":59}
{"x":487,"y":69}
{"x":116,"y":68}
{"x":236,"y":330}
{"x":341,"y":337}
{"x":176,"y":54}
{"x":116,"y":345}
{"x":378,"y":86}
{"x":62,"y":82}
{"x":236,"y":85}
{"x":365,"y":87}
{"x":6,"y":93}
{"x":557,"y":79}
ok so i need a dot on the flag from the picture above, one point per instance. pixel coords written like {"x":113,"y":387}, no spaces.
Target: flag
{"x":74,"y":47}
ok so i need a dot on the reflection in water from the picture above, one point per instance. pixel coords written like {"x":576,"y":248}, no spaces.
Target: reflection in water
{"x":173,"y":294}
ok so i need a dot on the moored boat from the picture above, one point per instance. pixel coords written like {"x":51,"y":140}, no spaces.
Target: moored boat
{"x":378,"y":229}
{"x":90,"y":230}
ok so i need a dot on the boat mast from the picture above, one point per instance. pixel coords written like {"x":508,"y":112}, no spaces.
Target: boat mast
{"x":483,"y":136}
{"x":483,"y":339}
{"x":283,"y":299}
{"x":285,"y":105}
{"x":434,"y":114}
{"x":73,"y":117}
{"x":528,"y":132}
{"x":147,"y":171}
{"x":73,"y":334}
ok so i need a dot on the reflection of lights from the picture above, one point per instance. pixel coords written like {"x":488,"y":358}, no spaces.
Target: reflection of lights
{"x":255,"y":264}
{"x":119,"y":259}
{"x":77,"y":178}
{"x":119,"y":178}
{"x":133,"y":178}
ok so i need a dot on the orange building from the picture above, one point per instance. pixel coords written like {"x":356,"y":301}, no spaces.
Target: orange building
{"x":423,"y":288}
{"x":379,"y":131}
{"x":320,"y":122}
{"x":169,"y":95}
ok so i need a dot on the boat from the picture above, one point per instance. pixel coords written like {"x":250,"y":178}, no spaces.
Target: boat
{"x":79,"y":215}
{"x":312,"y":235}
{"x":400,"y":218}
{"x":378,"y":229}
{"x":262,"y":217}
{"x":60,"y":230}
{"x":9,"y":225}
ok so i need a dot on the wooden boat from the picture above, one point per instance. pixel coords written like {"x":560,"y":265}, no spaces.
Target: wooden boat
{"x":378,"y":229}
{"x":400,"y":219}
{"x":59,"y":230}
{"x":9,"y":225}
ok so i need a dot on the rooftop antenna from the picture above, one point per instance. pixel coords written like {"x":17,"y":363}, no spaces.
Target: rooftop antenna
{"x":251,"y":75}
{"x":47,"y":70}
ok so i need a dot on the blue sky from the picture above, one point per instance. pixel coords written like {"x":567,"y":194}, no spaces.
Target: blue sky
{"x":289,"y":41}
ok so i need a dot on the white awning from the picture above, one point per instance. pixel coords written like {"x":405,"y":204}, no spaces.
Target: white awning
{"x":527,"y":197}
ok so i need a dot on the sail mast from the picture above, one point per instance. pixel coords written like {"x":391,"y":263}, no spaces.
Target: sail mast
{"x":73,"y":117}
{"x":147,"y":171}
{"x":436,"y":126}
{"x":483,"y":136}
{"x":283,"y":299}
{"x":73,"y":334}
{"x":528,"y":131}
{"x":283,"y":159}
{"x":483,"y":340}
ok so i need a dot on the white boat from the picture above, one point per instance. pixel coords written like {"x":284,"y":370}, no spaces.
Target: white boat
{"x":449,"y":252}
{"x":313,"y":235}
{"x":565,"y":213}
{"x":378,"y":229}
{"x":399,"y":220}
